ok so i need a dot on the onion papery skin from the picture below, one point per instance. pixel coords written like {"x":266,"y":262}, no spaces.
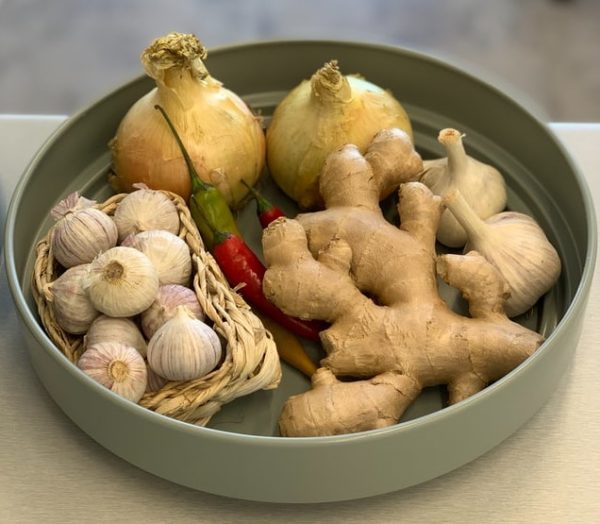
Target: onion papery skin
{"x":223,"y":137}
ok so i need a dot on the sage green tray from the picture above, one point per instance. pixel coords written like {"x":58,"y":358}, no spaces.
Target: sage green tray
{"x":240,"y":454}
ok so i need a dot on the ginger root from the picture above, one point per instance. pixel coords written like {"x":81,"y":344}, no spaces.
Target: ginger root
{"x":376,"y":284}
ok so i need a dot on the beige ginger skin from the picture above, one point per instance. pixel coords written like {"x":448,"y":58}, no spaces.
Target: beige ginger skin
{"x":325,"y":265}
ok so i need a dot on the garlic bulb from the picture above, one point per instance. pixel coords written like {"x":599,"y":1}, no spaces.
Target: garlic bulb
{"x":224,"y":138}
{"x":121,"y":282}
{"x":481,"y":185}
{"x":165,"y":305}
{"x":517,"y":246}
{"x":319,"y":116}
{"x":117,"y":367}
{"x":111,"y":329}
{"x":81,"y":231}
{"x":73,"y":310}
{"x":145,"y":210}
{"x":169,"y":254}
{"x":184,"y":348}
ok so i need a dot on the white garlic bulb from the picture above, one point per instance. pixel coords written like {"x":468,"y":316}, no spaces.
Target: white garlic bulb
{"x":169,"y":254}
{"x":145,"y":210}
{"x":481,"y":185}
{"x":113,"y":329}
{"x":517,"y":246}
{"x":73,"y":310}
{"x":81,"y":231}
{"x":117,"y":367}
{"x":184,"y":348}
{"x":121,"y":282}
{"x":165,"y":305}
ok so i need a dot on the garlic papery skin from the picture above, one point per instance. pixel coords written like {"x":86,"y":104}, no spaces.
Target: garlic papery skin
{"x":169,"y":254}
{"x":184,"y":348}
{"x":217,"y":127}
{"x":164,"y":307}
{"x":121,"y":282}
{"x":117,"y":367}
{"x":113,"y":329}
{"x":73,"y":310}
{"x":481,"y":185}
{"x":155,"y":381}
{"x":319,"y":116}
{"x":146,"y":210}
{"x":81,"y":231}
{"x":517,"y":246}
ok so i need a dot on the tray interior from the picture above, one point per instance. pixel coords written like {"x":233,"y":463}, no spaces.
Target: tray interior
{"x":258,"y":413}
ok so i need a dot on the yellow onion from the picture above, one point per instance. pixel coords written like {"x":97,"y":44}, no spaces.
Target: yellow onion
{"x":319,"y":116}
{"x":224,"y":138}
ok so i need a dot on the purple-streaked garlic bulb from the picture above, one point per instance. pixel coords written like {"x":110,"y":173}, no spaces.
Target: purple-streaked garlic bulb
{"x":165,"y":305}
{"x":117,"y":367}
{"x":73,"y":309}
{"x":81,"y":231}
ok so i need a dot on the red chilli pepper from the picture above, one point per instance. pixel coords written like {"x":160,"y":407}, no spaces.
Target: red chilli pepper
{"x":241,"y":266}
{"x":266,"y":211}
{"x":237,"y":261}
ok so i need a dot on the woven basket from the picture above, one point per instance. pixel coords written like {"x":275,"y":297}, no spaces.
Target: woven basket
{"x":251,"y":361}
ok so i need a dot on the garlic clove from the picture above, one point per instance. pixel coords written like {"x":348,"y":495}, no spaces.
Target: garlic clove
{"x":81,"y":232}
{"x":165,"y":305}
{"x":121,"y":282}
{"x":481,"y":185}
{"x":117,"y":367}
{"x":73,"y":310}
{"x":517,"y":246}
{"x":184,"y":348}
{"x":145,"y":210}
{"x":169,"y":254}
{"x":112,"y":329}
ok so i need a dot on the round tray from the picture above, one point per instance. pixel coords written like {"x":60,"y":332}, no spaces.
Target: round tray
{"x":239,"y":454}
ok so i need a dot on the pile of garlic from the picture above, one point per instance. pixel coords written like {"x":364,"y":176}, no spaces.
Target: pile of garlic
{"x":125,"y":288}
{"x":475,"y":219}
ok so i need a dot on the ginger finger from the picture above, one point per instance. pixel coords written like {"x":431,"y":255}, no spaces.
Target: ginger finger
{"x":479,"y":282}
{"x":333,"y":407}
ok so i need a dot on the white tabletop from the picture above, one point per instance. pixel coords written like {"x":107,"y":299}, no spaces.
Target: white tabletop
{"x":50,"y":471}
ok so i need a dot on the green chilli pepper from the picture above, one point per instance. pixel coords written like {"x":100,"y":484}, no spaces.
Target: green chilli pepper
{"x":206,"y":203}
